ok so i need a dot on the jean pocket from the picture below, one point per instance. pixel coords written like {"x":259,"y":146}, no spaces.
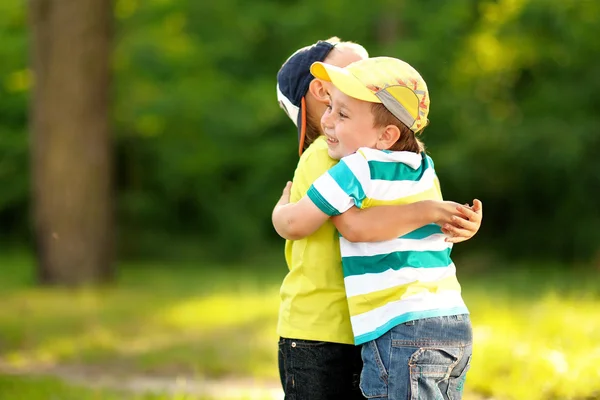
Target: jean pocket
{"x":374,"y":376}
{"x":429,"y":367}
{"x":456,"y":385}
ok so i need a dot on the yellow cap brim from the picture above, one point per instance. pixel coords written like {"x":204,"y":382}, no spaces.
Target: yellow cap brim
{"x":342,"y":79}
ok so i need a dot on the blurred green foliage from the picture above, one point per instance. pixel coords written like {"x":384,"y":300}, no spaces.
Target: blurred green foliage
{"x":202,"y":149}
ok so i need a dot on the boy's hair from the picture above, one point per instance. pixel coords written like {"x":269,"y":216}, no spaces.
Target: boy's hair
{"x":407,"y":141}
{"x":312,"y":131}
{"x":355,"y":47}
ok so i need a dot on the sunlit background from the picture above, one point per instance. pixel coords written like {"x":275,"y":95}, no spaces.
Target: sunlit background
{"x":178,"y":298}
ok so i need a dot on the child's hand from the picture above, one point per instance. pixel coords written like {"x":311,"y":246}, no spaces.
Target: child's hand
{"x":444,"y":211}
{"x":465,"y":225}
{"x":285,"y":196}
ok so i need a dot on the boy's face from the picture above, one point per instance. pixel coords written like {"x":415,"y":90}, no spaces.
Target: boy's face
{"x":348,"y":124}
{"x":316,"y":100}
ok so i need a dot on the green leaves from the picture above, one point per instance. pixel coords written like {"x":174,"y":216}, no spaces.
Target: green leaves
{"x":202,"y":146}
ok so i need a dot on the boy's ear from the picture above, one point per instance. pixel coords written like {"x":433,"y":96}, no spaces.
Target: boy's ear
{"x":317,"y":89}
{"x":388,"y":137}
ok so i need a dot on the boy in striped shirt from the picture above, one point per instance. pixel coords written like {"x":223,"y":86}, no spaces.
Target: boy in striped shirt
{"x":404,"y":299}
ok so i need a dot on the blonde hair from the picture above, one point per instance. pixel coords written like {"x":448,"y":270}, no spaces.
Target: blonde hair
{"x":407,"y":141}
{"x":352,"y":46}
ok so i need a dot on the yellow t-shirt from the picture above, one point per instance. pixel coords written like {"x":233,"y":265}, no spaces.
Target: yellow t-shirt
{"x":313,"y":299}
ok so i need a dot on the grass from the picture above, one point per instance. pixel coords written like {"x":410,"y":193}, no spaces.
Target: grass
{"x":12,"y":388}
{"x":536,"y":333}
{"x":45,"y":388}
{"x":157,"y":320}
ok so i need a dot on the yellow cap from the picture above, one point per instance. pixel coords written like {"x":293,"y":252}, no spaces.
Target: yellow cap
{"x":389,"y":81}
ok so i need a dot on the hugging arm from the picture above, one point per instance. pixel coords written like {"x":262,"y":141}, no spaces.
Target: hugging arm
{"x":294,"y":221}
{"x":333,"y":193}
{"x":381,"y":223}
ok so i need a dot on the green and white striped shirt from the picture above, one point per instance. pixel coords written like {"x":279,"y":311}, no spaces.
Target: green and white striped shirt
{"x":396,"y":281}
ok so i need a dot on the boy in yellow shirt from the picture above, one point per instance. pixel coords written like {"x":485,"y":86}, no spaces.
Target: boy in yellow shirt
{"x":317,"y":356}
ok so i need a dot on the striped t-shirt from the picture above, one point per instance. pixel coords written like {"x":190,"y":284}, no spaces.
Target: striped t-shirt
{"x":396,"y":281}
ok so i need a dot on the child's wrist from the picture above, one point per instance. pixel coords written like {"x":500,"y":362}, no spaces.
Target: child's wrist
{"x":432,"y":210}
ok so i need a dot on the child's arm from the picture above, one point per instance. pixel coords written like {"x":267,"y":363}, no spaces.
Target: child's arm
{"x":381,"y":223}
{"x":294,"y":221}
{"x":333,"y":193}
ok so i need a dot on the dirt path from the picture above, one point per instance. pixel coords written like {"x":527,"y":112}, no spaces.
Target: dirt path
{"x":229,"y":388}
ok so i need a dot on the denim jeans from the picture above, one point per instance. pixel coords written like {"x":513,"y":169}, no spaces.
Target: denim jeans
{"x":426,"y":359}
{"x":311,"y":370}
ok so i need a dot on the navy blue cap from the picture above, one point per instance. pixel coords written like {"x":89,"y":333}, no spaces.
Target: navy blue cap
{"x":293,"y":80}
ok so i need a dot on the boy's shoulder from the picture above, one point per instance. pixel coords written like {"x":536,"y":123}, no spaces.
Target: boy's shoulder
{"x":413,"y":160}
{"x":316,"y":156}
{"x":313,"y":163}
{"x":385,"y":165}
{"x":318,"y":146}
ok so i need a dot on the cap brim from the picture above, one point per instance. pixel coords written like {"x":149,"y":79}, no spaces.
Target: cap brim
{"x":344,"y":81}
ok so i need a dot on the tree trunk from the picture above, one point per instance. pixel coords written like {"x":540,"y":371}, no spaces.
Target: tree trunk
{"x":389,"y":24}
{"x":70,"y":139}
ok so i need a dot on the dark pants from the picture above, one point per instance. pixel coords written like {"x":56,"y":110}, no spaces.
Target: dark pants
{"x":312,"y":370}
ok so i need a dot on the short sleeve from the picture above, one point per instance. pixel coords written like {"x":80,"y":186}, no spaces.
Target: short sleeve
{"x":313,"y":163}
{"x":343,"y":186}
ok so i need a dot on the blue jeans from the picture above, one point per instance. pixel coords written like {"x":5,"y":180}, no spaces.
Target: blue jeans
{"x":312,"y":370}
{"x":426,"y":359}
